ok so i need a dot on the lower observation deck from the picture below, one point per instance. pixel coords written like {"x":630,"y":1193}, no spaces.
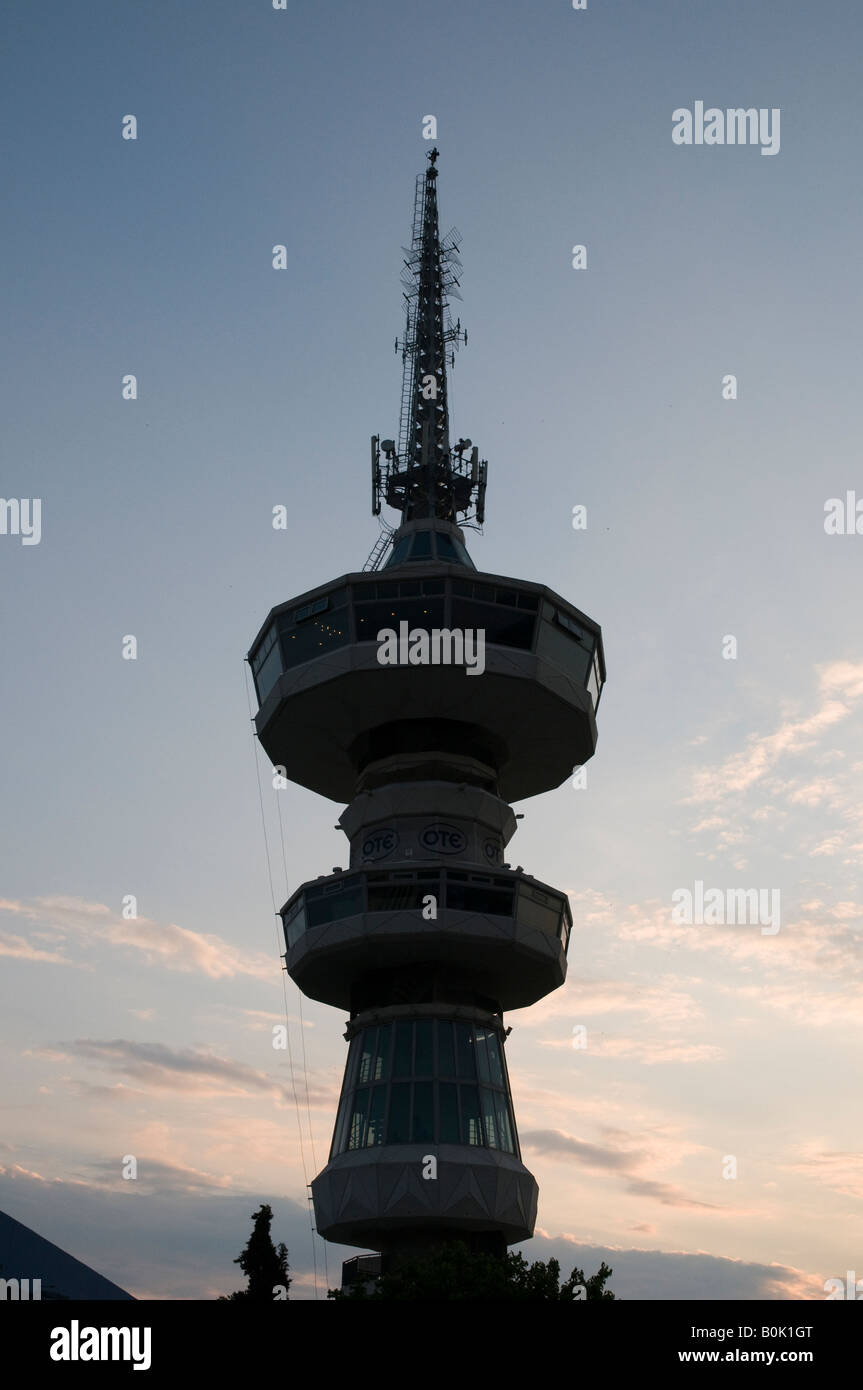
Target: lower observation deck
{"x":506,"y":932}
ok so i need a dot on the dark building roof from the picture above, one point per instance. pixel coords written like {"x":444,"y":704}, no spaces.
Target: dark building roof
{"x":26,"y":1255}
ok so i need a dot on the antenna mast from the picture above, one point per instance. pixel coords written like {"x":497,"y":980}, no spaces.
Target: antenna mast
{"x":423,"y":476}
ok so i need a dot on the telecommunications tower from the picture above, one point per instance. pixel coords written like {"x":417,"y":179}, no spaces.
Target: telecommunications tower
{"x":430,"y":935}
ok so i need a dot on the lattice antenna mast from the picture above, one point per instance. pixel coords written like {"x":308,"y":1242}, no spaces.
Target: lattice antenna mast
{"x":424,"y":476}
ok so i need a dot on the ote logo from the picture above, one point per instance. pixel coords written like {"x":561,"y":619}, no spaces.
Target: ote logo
{"x":443,"y":839}
{"x":379,"y":843}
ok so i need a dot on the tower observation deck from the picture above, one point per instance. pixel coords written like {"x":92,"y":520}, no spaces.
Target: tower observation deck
{"x":371,"y":692}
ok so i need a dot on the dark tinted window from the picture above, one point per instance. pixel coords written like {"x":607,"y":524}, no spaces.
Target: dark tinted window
{"x":464,"y":1051}
{"x":422,"y":1106}
{"x":422,"y":1126}
{"x":472,"y":897}
{"x":558,"y":645}
{"x":448,"y":1113}
{"x":463,"y":555}
{"x":372,"y":618}
{"x":471,"y":1122}
{"x":345,"y":903}
{"x":377,"y":1112}
{"x":505,"y":626}
{"x":267,"y":663}
{"x":539,"y":910}
{"x":423,"y":1055}
{"x":315,"y":628}
{"x":400,"y":551}
{"x":402,"y":1059}
{"x":393,"y":897}
{"x":445,"y":548}
{"x":400,"y":1108}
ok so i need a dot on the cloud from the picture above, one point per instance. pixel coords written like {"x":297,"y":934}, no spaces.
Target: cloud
{"x":660,"y":1002}
{"x":840,"y":688}
{"x":652,"y":1052}
{"x":89,"y":925}
{"x":668,"y":1195}
{"x":191,"y":1071}
{"x":20,"y":949}
{"x":648,"y":1051}
{"x":805,"y":950}
{"x":676,"y":1274}
{"x":261,"y":1020}
{"x":839,"y":1170}
{"x":154,"y":1175}
{"x":554,"y":1141}
{"x":617,"y":1160}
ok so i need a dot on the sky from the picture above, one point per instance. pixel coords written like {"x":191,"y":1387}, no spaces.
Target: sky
{"x":731,"y":763}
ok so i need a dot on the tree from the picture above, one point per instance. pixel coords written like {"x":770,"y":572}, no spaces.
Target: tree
{"x":265,"y":1265}
{"x":451,"y":1272}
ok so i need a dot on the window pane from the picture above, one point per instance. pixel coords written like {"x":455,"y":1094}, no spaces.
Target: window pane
{"x":482,"y":1054}
{"x":423,"y":1063}
{"x":475,"y":897}
{"x":400,"y":1104}
{"x":422,"y":1127}
{"x":471,"y":1124}
{"x":445,"y":1054}
{"x":465,"y":1051}
{"x":296,"y":927}
{"x":367,"y":1053}
{"x":307,"y":639}
{"x":504,"y":1128}
{"x":421,"y":549}
{"x":371,"y":618}
{"x":339,"y":1134}
{"x":448,"y":1113}
{"x":354,"y":1050}
{"x":446,"y":549}
{"x":539,"y":910}
{"x":489,"y":1118}
{"x":402,"y":1052}
{"x":396,"y":897}
{"x":269,"y":673}
{"x":400,"y":550}
{"x":586,"y":638}
{"x":358,"y":1119}
{"x":495,"y":1061}
{"x":508,"y":627}
{"x":462,"y":554}
{"x":264,"y":647}
{"x":377,"y":1110}
{"x":346,"y":902}
{"x":382,"y":1061}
